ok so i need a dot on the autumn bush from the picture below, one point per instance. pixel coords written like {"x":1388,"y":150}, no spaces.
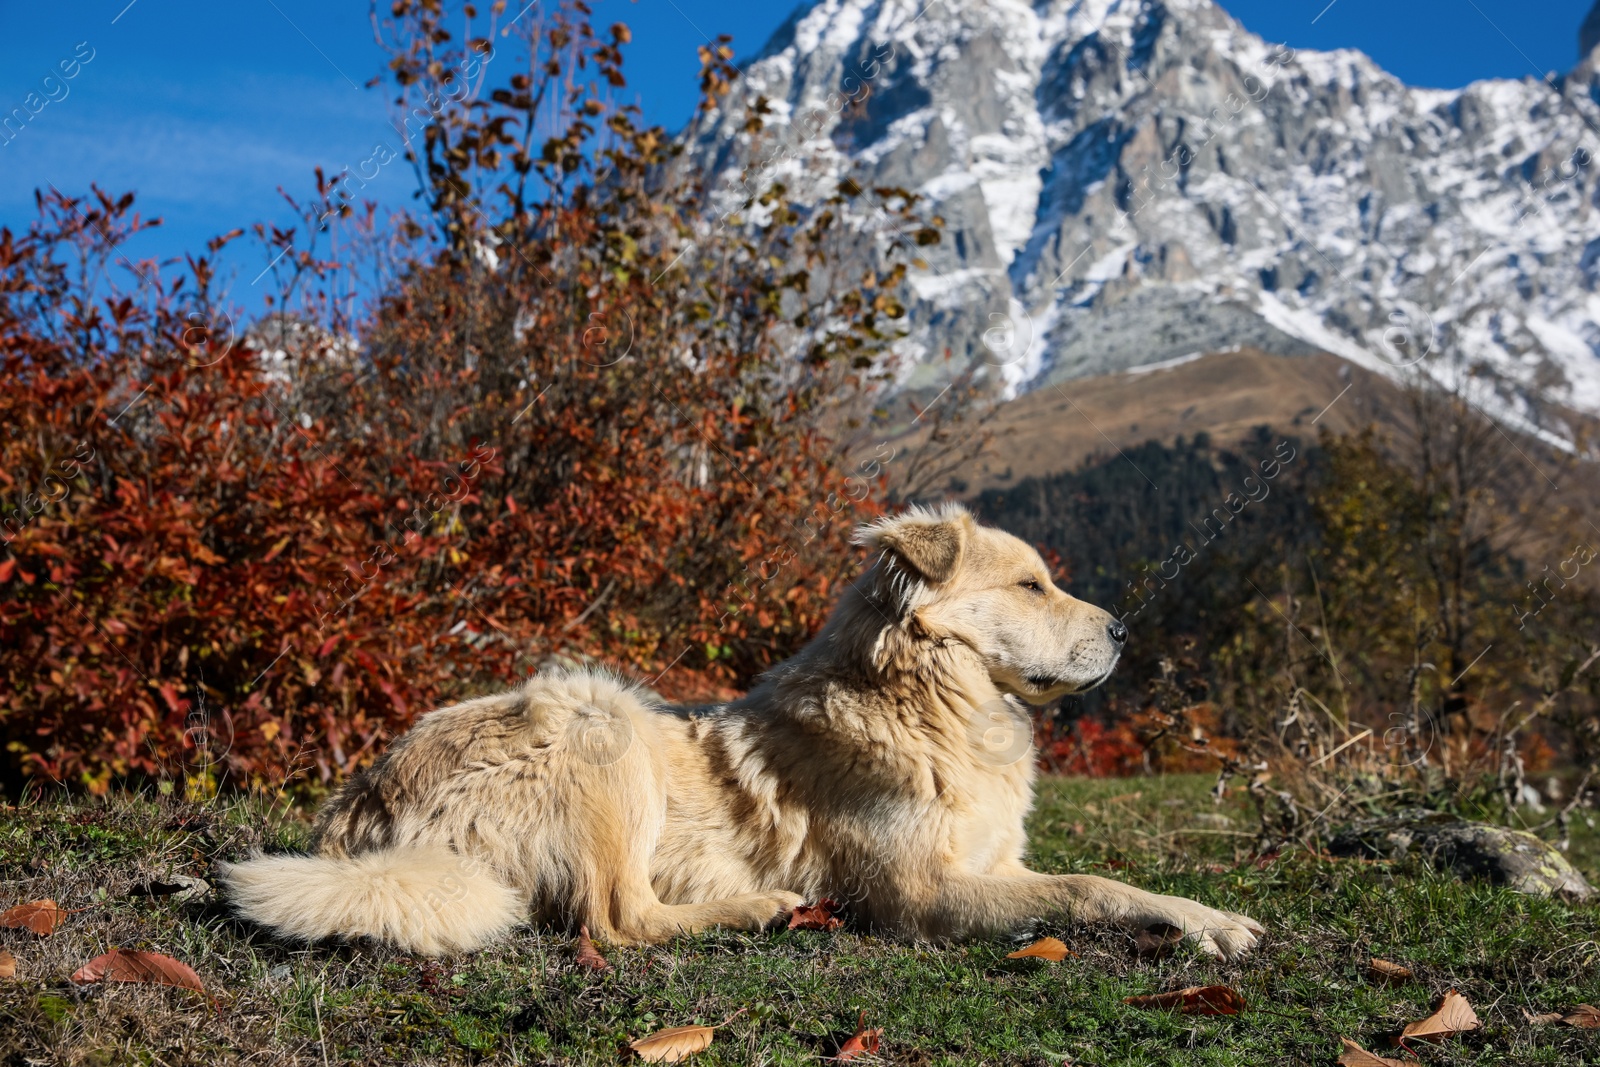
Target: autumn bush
{"x":565,"y":416}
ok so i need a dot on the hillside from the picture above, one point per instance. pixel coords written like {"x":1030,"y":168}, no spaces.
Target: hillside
{"x":1226,"y":395}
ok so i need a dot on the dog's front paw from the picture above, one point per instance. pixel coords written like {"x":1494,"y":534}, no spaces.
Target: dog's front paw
{"x":1224,"y":934}
{"x":779,"y":903}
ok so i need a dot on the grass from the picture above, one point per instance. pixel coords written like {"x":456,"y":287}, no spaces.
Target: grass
{"x":797,"y":994}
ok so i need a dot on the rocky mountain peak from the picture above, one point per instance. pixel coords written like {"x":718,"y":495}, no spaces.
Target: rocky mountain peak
{"x":1131,"y":182}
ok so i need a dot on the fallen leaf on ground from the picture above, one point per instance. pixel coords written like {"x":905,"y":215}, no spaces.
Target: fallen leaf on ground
{"x":40,"y":916}
{"x":673,"y":1044}
{"x":8,"y":964}
{"x":1047,"y":948}
{"x":1385,"y":973}
{"x":1195,"y":1000}
{"x":145,"y":968}
{"x":1356,"y":1056}
{"x":1156,"y":942}
{"x":818,"y":916}
{"x":1584,"y":1017}
{"x":588,"y":955}
{"x":1453,"y":1016}
{"x":864,"y":1042}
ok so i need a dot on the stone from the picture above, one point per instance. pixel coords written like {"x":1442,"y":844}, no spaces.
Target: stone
{"x":1513,"y":858}
{"x":179,"y":888}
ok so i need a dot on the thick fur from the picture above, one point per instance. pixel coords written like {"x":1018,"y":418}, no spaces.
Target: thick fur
{"x":888,"y":765}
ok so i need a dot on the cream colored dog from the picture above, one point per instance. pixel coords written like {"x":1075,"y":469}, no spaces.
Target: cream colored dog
{"x":888,"y":765}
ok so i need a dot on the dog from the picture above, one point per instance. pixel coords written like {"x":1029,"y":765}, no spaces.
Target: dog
{"x":888,"y":765}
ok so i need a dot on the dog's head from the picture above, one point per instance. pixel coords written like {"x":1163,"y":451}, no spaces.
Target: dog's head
{"x":950,"y":579}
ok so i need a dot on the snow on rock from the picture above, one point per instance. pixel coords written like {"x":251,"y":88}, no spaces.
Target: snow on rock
{"x":1127,"y":182}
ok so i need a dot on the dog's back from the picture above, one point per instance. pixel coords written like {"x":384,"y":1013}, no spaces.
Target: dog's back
{"x":445,"y":841}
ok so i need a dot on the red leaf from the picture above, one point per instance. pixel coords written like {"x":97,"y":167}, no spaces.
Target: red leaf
{"x":40,"y":916}
{"x":394,"y":695}
{"x":1195,"y":1000}
{"x":864,"y":1042}
{"x":818,"y":916}
{"x":144,"y":968}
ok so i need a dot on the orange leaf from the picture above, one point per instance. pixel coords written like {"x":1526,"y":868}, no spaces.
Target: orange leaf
{"x":864,"y":1042}
{"x":1356,"y":1056}
{"x":272,"y":553}
{"x":144,"y":968}
{"x":1453,"y":1016}
{"x":673,"y":1044}
{"x":8,"y":964}
{"x":588,"y":955}
{"x":1048,"y":948}
{"x":1195,"y":1000}
{"x":1385,"y":973}
{"x":818,"y":916}
{"x":40,"y":916}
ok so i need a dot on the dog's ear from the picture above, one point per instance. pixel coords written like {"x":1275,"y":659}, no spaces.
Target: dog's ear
{"x":931,"y":543}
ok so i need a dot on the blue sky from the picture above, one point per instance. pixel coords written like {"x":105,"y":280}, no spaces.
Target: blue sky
{"x":206,"y":108}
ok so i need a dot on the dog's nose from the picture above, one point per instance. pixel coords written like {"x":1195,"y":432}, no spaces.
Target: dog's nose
{"x":1118,"y":632}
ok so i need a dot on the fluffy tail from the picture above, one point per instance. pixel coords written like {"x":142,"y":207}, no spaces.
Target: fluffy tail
{"x":424,"y":900}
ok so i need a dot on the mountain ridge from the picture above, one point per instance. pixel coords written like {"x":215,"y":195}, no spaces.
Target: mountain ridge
{"x":1126,"y":183}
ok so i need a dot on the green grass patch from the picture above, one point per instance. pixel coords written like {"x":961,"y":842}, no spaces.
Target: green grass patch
{"x":797,"y":994}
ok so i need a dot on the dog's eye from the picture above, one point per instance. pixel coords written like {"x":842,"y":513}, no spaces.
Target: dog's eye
{"x":1031,"y":585}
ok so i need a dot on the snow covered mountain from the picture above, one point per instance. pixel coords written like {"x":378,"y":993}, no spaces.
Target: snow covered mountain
{"x":1134,"y":182}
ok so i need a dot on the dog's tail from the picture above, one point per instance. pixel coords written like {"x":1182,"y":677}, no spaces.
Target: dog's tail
{"x":427,"y":900}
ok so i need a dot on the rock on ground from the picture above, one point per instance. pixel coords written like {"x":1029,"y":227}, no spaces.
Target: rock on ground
{"x":1508,"y":857}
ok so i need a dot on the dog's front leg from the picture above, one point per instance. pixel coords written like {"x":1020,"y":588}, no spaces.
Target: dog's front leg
{"x":968,"y":904}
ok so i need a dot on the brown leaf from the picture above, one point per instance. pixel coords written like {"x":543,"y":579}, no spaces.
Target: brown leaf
{"x":1356,"y":1056}
{"x":1383,"y":972}
{"x":588,"y":955}
{"x":1195,"y":1000}
{"x":818,"y":916}
{"x":146,"y":968}
{"x":40,"y":916}
{"x":863,"y":1043}
{"x":1541,"y":1020}
{"x":1584,"y":1017}
{"x":1047,"y":948}
{"x":1453,"y":1016}
{"x":673,"y":1044}
{"x":8,"y":964}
